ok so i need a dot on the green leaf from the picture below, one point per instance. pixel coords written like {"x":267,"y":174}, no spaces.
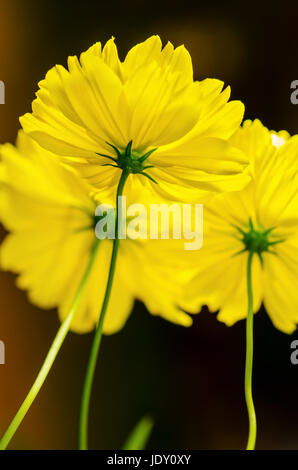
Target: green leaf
{"x":138,"y":438}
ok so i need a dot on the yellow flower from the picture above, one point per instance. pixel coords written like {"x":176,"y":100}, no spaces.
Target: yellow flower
{"x":146,"y":114}
{"x":51,"y":219}
{"x":263,"y":217}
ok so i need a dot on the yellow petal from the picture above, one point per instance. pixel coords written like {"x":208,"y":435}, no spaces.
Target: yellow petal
{"x":141,"y":54}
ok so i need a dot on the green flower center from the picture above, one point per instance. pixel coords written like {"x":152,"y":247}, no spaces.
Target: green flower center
{"x":129,"y":160}
{"x":258,"y":240}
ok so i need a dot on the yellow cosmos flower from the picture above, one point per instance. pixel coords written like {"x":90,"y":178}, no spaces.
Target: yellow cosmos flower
{"x":145,"y":114}
{"x":262,"y":218}
{"x":249,"y":255}
{"x":51,"y":219}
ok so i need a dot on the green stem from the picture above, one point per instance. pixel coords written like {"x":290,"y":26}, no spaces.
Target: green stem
{"x":85,"y":401}
{"x":249,"y":360}
{"x":50,"y":358}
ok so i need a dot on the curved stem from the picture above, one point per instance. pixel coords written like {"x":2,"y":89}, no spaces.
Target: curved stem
{"x":50,"y":358}
{"x":249,"y":360}
{"x":85,"y":401}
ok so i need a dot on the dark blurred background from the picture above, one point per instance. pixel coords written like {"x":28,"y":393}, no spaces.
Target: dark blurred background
{"x":190,"y":380}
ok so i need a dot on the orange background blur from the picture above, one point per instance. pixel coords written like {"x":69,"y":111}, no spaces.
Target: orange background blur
{"x":190,"y":380}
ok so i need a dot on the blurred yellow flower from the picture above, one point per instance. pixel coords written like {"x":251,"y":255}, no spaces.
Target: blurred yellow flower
{"x":262,"y":218}
{"x":51,"y":219}
{"x":145,"y":114}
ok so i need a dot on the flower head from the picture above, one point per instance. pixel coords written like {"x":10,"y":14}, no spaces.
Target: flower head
{"x":51,"y":219}
{"x":262,"y":219}
{"x":146,"y":114}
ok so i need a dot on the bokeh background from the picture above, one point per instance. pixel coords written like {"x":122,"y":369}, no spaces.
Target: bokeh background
{"x":190,"y":380}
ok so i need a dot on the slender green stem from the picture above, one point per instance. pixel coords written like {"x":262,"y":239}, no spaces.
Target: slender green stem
{"x":85,"y":401}
{"x":50,"y":358}
{"x":249,"y":360}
